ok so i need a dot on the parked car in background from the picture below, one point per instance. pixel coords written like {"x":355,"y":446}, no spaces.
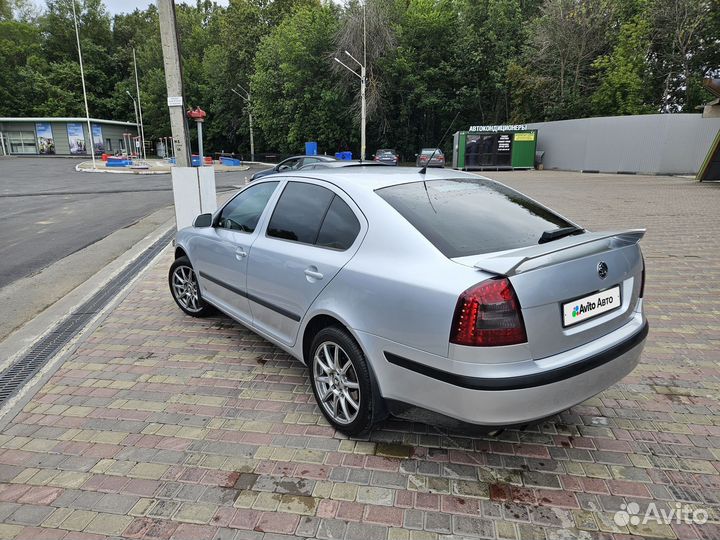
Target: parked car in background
{"x":292,"y":164}
{"x":386,"y":156}
{"x":430,"y":157}
{"x":406,"y":293}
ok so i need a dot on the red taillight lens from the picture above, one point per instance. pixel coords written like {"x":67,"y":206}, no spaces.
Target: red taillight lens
{"x":488,"y":315}
{"x":642,"y":278}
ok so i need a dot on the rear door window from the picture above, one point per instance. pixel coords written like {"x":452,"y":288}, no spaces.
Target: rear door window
{"x":469,"y":217}
{"x":299,"y":212}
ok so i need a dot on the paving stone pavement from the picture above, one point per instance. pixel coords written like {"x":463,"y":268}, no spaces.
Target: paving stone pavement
{"x":163,"y":426}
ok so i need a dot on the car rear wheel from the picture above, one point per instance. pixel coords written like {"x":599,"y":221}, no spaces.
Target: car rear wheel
{"x":186,"y":290}
{"x":341,"y":382}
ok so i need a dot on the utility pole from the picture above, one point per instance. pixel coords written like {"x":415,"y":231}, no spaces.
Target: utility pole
{"x":173,"y":80}
{"x":82,"y":77}
{"x":139,"y":103}
{"x":363,"y":75}
{"x":363,"y":83}
{"x":248,"y":101}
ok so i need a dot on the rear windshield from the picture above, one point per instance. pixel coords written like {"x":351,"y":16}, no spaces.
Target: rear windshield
{"x":471,"y":216}
{"x":428,"y":151}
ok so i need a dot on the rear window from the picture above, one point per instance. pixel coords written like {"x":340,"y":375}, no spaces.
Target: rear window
{"x":471,"y":216}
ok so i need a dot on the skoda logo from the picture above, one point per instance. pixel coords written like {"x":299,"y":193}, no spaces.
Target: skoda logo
{"x":602,"y":269}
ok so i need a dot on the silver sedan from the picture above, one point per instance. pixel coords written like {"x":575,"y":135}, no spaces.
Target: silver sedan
{"x":441,"y":296}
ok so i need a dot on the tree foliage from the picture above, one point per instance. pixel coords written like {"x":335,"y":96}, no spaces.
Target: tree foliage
{"x":486,"y":61}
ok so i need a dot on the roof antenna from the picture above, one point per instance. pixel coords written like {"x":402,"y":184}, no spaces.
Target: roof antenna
{"x":442,"y":140}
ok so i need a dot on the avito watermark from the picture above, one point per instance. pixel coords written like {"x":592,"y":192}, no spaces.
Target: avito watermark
{"x":629,"y":514}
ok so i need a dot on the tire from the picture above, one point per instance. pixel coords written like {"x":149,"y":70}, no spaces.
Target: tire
{"x":185,"y":289}
{"x":345,"y":385}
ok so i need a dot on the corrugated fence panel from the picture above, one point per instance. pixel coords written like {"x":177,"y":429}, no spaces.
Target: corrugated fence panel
{"x":652,"y":144}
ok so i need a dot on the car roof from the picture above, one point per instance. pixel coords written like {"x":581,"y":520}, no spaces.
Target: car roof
{"x":362,"y":179}
{"x":431,"y":150}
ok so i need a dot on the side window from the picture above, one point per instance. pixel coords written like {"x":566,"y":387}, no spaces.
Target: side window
{"x":340,"y":227}
{"x":299,"y":212}
{"x":289,"y":164}
{"x":244,"y":211}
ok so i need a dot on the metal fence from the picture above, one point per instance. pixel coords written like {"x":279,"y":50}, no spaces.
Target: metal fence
{"x":649,"y":144}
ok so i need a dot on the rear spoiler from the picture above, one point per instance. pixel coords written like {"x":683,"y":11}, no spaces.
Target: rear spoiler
{"x":508,"y":263}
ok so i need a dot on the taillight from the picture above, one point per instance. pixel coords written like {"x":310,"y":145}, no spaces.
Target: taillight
{"x":642,"y":277}
{"x":488,"y":314}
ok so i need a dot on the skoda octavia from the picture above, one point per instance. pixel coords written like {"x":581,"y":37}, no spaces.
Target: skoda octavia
{"x":435,"y":295}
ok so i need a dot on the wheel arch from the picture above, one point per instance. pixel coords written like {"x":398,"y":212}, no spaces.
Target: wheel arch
{"x":323,"y":320}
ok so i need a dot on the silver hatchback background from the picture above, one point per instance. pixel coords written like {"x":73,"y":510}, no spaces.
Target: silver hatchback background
{"x":441,"y":296}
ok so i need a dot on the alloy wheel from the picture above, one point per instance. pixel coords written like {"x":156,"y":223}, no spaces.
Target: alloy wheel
{"x":336,"y":382}
{"x":185,"y":288}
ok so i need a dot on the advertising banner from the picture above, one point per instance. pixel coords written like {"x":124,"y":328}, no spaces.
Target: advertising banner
{"x":76,"y":138}
{"x":98,"y":143}
{"x":45,"y":141}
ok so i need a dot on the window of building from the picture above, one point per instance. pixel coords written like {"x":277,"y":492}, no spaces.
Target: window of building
{"x":22,"y":142}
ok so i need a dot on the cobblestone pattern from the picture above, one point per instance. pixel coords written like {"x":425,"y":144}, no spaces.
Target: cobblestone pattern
{"x":162,"y":426}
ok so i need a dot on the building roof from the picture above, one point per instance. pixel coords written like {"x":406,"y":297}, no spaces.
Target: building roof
{"x":63,"y":119}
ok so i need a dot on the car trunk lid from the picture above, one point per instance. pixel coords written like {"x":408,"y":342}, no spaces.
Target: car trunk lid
{"x":567,"y":273}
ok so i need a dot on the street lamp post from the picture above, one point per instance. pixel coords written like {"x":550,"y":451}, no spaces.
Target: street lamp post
{"x":363,"y":83}
{"x":139,"y":104}
{"x":82,"y":78}
{"x":247,"y":99}
{"x":137,"y":123}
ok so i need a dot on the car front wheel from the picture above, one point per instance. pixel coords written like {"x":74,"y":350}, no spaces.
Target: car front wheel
{"x":186,"y":290}
{"x":342,"y":382}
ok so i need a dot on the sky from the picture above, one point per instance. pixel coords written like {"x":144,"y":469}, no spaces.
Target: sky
{"x":128,"y":6}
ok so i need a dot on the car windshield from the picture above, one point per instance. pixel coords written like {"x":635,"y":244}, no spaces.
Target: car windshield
{"x":466,"y":216}
{"x":429,"y":151}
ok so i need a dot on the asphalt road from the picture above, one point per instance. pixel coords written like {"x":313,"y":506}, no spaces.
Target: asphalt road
{"x":50,"y":211}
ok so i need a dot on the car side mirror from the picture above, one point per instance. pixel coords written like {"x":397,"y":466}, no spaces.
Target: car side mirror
{"x":416,"y":155}
{"x":203,"y":220}
{"x":281,"y":168}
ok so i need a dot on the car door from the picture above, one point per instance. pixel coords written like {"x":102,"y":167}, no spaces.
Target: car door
{"x":221,"y":255}
{"x":313,"y":232}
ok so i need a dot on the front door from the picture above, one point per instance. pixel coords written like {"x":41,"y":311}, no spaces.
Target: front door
{"x":312,"y":234}
{"x":221,"y":255}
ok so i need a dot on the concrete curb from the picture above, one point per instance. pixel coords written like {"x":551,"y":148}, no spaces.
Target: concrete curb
{"x":15,"y":405}
{"x":22,"y":338}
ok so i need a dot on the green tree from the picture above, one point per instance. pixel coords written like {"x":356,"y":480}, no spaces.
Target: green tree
{"x":623,"y":74}
{"x":295,"y":95}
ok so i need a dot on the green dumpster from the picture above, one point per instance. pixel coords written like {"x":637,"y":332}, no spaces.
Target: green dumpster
{"x":502,"y":147}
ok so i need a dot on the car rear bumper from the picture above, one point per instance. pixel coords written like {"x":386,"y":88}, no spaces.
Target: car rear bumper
{"x":501,"y":401}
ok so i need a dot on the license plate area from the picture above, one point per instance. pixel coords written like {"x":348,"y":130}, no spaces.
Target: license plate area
{"x":590,"y":306}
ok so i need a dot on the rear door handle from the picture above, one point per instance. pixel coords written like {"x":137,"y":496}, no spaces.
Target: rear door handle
{"x":240,"y":254}
{"x":312,"y":273}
